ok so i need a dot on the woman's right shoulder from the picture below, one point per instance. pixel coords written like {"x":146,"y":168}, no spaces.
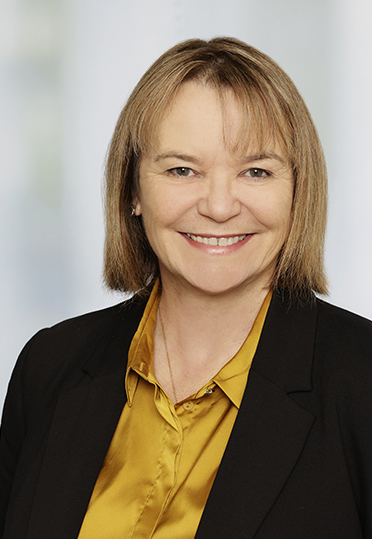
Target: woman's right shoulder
{"x":72,"y":333}
{"x":85,"y":325}
{"x":57,"y":354}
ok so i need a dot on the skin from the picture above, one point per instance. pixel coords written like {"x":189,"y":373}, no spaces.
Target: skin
{"x":194,"y":184}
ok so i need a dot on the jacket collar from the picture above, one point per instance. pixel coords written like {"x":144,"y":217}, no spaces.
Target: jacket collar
{"x":112,"y":351}
{"x":285,"y":351}
{"x":288,"y":330}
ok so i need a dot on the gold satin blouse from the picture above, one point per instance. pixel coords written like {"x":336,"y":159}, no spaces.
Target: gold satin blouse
{"x":162,"y":461}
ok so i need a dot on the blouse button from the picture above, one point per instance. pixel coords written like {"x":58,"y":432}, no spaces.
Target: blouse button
{"x":189,"y":405}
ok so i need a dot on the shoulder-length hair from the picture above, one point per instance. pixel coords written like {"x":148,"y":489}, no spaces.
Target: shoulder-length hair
{"x":272,"y":107}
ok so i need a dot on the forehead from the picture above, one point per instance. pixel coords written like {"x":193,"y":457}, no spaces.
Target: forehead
{"x":203,"y":114}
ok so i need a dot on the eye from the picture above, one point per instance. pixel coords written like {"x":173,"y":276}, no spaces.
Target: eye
{"x":182,"y":172}
{"x":257,"y":173}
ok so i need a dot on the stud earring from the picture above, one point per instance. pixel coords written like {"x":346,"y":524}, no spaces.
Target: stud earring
{"x":133,"y":210}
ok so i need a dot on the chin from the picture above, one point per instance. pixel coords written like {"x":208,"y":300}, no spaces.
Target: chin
{"x":214,"y":286}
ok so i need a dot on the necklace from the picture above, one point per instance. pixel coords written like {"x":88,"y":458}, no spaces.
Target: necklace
{"x":167,"y":354}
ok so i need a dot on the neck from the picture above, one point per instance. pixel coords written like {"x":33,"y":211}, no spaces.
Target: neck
{"x":195,"y":310}
{"x":203,"y":333}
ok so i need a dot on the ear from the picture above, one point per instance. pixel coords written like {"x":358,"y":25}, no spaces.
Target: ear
{"x":136,"y":204}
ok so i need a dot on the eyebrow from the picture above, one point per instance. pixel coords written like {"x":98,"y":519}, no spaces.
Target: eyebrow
{"x":176,"y":155}
{"x":261,"y":157}
{"x":192,"y":159}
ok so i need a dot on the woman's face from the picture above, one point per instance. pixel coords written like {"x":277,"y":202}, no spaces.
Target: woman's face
{"x":216,"y":218}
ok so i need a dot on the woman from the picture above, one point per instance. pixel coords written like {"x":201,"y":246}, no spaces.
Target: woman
{"x":138,"y":421}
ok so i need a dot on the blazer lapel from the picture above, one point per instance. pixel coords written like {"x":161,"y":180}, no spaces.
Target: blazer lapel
{"x":270,"y":430}
{"x":83,"y":424}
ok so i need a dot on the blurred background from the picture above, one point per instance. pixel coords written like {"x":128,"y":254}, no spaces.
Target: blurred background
{"x":66,"y":69}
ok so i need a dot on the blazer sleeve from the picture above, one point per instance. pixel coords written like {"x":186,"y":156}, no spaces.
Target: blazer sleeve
{"x":13,"y":429}
{"x":355,"y":419}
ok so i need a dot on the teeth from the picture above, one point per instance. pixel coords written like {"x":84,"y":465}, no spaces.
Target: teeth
{"x":221,"y":242}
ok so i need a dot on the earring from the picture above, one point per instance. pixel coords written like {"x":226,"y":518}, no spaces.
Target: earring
{"x":133,"y":210}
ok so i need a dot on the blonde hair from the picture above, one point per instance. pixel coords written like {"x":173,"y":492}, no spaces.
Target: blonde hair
{"x":272,"y":107}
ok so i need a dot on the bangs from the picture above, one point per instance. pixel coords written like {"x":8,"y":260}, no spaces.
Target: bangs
{"x":261,"y":126}
{"x":264,"y":120}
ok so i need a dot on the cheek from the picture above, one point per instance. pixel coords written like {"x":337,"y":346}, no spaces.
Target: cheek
{"x":167,"y":206}
{"x":282,"y":205}
{"x":274,"y":212}
{"x":151,"y":222}
{"x":151,"y":202}
{"x":157,"y":218}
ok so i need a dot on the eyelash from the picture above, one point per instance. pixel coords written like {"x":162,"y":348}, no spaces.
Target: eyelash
{"x":258,"y":172}
{"x":174,"y":170}
{"x":266,"y":173}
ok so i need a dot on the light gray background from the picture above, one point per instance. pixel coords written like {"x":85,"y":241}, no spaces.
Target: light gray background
{"x":66,"y":69}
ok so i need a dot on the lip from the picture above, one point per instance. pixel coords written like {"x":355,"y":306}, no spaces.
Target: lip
{"x":230,"y":242}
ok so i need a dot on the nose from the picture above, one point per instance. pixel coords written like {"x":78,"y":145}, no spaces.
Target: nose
{"x":219,"y":202}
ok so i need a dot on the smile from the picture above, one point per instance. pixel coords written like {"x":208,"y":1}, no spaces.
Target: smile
{"x":221,"y":242}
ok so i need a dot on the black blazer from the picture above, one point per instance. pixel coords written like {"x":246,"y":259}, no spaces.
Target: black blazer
{"x":298,"y":463}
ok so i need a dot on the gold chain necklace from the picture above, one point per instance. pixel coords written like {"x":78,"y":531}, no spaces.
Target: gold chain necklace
{"x":167,"y":354}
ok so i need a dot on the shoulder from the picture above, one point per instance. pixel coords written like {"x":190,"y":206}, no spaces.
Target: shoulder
{"x":346,"y":333}
{"x":78,"y":331}
{"x":71,"y":332}
{"x":343,"y":357}
{"x":335,"y":318}
{"x":56,"y":356}
{"x":87,"y":325}
{"x":65,"y":356}
{"x":319,"y":342}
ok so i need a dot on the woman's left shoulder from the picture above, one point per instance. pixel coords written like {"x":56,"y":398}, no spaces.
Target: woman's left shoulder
{"x":343,"y":324}
{"x":344,"y":341}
